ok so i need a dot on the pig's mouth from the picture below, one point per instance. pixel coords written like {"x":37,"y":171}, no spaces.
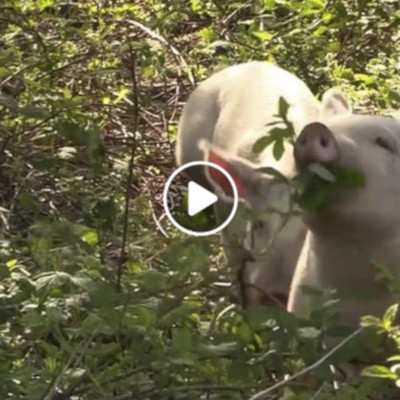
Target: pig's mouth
{"x":318,"y":186}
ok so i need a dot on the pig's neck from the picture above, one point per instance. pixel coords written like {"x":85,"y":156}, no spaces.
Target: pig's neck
{"x":347,"y":262}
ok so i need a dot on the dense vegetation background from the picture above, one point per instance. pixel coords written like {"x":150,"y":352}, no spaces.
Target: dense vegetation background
{"x":95,"y":301}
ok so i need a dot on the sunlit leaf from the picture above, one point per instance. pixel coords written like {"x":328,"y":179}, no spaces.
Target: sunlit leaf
{"x":263,"y":35}
{"x":90,"y":237}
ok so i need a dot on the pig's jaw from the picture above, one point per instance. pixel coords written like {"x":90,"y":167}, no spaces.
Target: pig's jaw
{"x":336,"y":262}
{"x":354,"y":216}
{"x":360,"y":230}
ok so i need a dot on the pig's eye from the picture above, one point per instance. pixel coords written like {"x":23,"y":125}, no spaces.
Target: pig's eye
{"x":384,"y":143}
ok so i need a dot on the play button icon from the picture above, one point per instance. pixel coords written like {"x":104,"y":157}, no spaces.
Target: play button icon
{"x":188,"y":204}
{"x":199,"y":198}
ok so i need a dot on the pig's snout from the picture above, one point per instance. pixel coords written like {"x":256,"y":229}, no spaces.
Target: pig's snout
{"x":316,"y":144}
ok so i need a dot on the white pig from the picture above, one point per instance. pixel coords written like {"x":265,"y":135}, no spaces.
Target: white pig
{"x":230,"y":110}
{"x":359,"y":228}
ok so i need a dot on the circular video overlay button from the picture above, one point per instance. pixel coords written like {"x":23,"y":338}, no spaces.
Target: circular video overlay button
{"x":189,"y":202}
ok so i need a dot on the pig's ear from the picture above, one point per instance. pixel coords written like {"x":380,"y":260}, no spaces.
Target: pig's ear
{"x":334,"y":102}
{"x":247,"y":179}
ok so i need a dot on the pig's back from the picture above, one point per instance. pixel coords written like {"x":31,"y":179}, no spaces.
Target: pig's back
{"x":233,"y":106}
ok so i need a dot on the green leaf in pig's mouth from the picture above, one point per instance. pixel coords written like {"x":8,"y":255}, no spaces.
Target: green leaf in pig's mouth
{"x":319,"y":184}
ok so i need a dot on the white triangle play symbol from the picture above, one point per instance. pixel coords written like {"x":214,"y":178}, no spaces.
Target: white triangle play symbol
{"x":199,"y":198}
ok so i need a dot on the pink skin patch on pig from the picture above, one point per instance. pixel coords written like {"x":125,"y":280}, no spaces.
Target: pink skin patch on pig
{"x":220,"y":179}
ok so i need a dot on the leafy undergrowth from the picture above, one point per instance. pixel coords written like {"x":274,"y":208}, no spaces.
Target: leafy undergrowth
{"x":95,"y":301}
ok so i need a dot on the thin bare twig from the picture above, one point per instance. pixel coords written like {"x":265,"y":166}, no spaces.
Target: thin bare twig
{"x":263,"y":393}
{"x":135,"y":120}
{"x":176,"y":53}
{"x":157,"y":221}
{"x":74,"y":359}
{"x":18,"y":72}
{"x":73,"y":61}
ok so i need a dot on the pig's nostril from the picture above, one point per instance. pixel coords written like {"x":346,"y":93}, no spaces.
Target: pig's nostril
{"x":324,"y":141}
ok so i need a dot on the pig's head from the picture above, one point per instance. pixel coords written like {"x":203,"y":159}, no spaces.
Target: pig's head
{"x":369,"y":145}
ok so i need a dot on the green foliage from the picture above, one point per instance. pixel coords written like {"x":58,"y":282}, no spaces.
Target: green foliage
{"x":318,"y":185}
{"x":386,"y":325}
{"x":277,"y":135}
{"x":95,"y":302}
